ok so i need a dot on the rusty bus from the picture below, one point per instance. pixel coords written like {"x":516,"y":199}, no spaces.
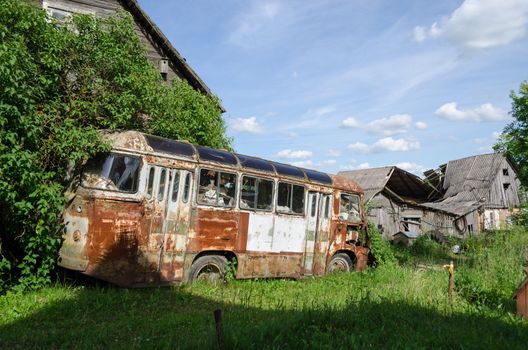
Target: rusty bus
{"x":156,"y":211}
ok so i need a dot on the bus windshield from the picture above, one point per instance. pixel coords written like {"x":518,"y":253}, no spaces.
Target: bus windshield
{"x":349,"y":207}
{"x":114,"y":172}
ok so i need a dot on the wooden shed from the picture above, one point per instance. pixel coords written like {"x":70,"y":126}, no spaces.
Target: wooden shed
{"x":406,"y":238}
{"x":522,"y":298}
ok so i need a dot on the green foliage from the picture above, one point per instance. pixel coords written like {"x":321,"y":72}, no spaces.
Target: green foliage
{"x":379,"y":247}
{"x":494,"y":266}
{"x":426,"y":247}
{"x":59,"y":84}
{"x":514,"y":139}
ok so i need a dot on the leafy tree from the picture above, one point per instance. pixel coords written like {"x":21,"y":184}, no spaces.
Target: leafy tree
{"x":59,"y":84}
{"x":514,"y":139}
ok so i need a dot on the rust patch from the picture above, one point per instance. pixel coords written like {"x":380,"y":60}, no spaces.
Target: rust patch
{"x":213,"y":229}
{"x":242,"y":238}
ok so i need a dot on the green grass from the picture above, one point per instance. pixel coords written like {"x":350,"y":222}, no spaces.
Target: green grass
{"x":393,"y":306}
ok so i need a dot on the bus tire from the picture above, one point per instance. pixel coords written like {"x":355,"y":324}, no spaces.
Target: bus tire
{"x":209,"y":268}
{"x":341,"y":262}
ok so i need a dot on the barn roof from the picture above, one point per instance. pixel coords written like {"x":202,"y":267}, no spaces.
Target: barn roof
{"x":172,"y":54}
{"x":397,"y":182}
{"x":467,"y":183}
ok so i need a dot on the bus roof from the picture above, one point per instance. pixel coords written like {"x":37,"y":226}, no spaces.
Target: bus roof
{"x":135,"y":140}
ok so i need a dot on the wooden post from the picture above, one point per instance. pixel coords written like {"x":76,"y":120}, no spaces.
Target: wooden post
{"x":451,"y":286}
{"x":219,"y":328}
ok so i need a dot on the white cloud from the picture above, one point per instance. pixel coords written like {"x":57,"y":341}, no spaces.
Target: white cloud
{"x":249,"y":125}
{"x":259,"y":17}
{"x":485,"y":113}
{"x":324,"y":110}
{"x":411,"y":167}
{"x":329,"y":162}
{"x":392,"y":125}
{"x":350,"y":122}
{"x":334,"y":152}
{"x":480,"y":24}
{"x":387,"y":144}
{"x":304,"y":164}
{"x":419,"y":33}
{"x":420,"y":125}
{"x":360,"y":147}
{"x":363,"y":166}
{"x":300,"y":154}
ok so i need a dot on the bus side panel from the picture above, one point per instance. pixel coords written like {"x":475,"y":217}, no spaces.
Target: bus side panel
{"x":259,"y":259}
{"x":116,"y":242}
{"x":213,"y":229}
{"x":267,"y":264}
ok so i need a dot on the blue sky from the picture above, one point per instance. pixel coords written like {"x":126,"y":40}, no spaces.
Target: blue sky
{"x":339,"y":85}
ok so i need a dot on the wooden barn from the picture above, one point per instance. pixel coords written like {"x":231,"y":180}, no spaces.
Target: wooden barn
{"x":394,"y":200}
{"x":171,"y":64}
{"x":481,"y":191}
{"x":463,"y":197}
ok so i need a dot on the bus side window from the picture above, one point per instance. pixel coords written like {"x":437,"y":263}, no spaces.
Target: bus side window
{"x":313,"y":198}
{"x":175,"y":186}
{"x":256,"y":193}
{"x":327,"y":207}
{"x":150,"y":182}
{"x":290,"y":198}
{"x":216,"y":188}
{"x":161,"y":185}
{"x":186,"y":188}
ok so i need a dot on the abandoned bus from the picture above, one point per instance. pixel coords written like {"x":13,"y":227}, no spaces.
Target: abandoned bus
{"x":156,"y":211}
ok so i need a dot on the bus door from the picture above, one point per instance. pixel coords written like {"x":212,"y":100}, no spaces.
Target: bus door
{"x":312,"y":226}
{"x":176,"y":225}
{"x":155,"y":212}
{"x":323,"y":234}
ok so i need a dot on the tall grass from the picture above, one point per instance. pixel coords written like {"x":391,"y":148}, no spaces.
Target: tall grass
{"x":391,"y":306}
{"x":494,"y":266}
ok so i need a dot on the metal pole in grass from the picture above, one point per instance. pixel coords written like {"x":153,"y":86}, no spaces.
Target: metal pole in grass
{"x":451,"y":269}
{"x":219,"y":328}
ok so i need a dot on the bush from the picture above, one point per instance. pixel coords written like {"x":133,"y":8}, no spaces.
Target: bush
{"x":379,"y":247}
{"x":494,"y":267}
{"x":426,"y":247}
{"x":59,"y":85}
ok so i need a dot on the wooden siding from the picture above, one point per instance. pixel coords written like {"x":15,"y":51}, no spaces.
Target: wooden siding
{"x":390,"y":215}
{"x":500,"y":197}
{"x":104,"y":8}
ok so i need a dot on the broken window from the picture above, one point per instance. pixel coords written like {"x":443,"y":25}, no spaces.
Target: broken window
{"x":411,"y":224}
{"x":150,"y":181}
{"x":186,"y":188}
{"x":161,"y":185}
{"x":175,"y":186}
{"x":217,"y":188}
{"x":113,"y":172}
{"x":256,"y":193}
{"x":290,"y":198}
{"x":505,"y":172}
{"x":327,"y":206}
{"x":349,"y":207}
{"x":505,"y":186}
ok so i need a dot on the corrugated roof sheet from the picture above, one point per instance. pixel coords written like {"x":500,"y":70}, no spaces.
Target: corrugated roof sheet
{"x":371,"y":180}
{"x":467,"y":183}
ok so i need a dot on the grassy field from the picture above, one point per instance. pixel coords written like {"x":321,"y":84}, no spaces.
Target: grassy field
{"x":397,"y":305}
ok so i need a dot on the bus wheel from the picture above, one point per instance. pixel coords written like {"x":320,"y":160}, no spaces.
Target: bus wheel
{"x":341,"y":262}
{"x":208,"y":268}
